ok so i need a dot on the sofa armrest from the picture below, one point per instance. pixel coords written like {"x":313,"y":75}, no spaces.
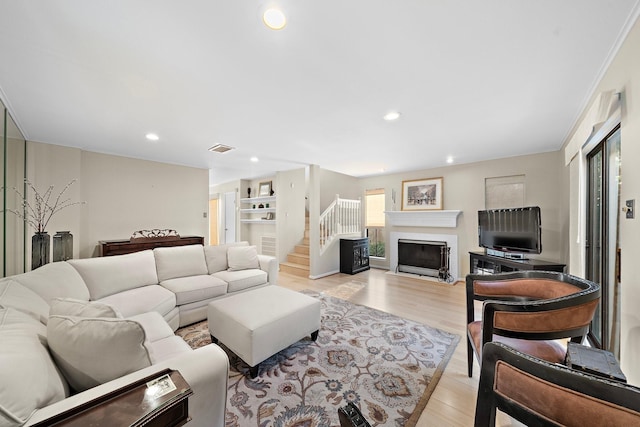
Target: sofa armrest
{"x":206,"y":369}
{"x":270,"y":265}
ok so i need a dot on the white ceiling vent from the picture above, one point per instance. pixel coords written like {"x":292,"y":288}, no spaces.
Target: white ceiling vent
{"x":220,"y":148}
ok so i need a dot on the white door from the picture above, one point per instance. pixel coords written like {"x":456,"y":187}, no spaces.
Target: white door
{"x":229,"y":219}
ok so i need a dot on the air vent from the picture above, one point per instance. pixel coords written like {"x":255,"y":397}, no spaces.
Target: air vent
{"x":220,"y":148}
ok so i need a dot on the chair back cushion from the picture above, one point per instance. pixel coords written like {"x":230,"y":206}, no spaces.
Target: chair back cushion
{"x":55,"y":280}
{"x":109,"y":275}
{"x":15,"y":295}
{"x":180,"y":261}
{"x":528,"y":288}
{"x":563,"y":319}
{"x":216,"y":256}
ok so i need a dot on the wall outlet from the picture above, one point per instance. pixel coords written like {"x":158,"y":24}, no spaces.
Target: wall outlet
{"x":630,"y":208}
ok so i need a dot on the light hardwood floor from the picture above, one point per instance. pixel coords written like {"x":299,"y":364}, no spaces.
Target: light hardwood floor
{"x":436,"y":304}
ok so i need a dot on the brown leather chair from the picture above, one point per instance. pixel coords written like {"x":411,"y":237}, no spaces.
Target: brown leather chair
{"x":536,"y":392}
{"x":529,"y":310}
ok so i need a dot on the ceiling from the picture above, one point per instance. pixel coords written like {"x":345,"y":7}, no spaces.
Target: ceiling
{"x":473,"y":80}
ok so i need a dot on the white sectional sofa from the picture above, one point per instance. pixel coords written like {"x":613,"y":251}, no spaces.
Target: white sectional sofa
{"x":72,"y":331}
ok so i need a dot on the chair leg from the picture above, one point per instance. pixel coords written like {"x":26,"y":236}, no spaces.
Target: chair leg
{"x":469,"y":358}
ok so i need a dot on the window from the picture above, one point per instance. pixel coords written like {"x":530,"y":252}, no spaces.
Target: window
{"x":374,"y":221}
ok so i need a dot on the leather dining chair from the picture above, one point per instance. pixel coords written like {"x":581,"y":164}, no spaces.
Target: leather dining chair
{"x":538,"y":393}
{"x":529,"y":311}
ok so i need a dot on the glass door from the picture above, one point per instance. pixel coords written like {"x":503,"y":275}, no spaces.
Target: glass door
{"x":12,"y":168}
{"x":602,"y":251}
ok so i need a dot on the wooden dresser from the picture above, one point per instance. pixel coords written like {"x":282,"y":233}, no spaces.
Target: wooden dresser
{"x":120,"y":247}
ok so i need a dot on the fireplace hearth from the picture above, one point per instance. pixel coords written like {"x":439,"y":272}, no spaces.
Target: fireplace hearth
{"x":434,"y":263}
{"x":425,"y":258}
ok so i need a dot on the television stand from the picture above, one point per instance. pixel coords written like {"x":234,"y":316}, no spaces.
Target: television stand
{"x":481,"y":263}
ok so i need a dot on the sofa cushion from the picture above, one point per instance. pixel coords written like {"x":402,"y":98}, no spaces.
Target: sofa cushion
{"x":180,"y":261}
{"x":110,"y":275}
{"x":216,"y":256}
{"x":55,"y":280}
{"x":154,"y":325}
{"x":16,"y":321}
{"x":244,"y":279}
{"x":79,"y":308}
{"x":167,"y":348}
{"x":142,"y":300}
{"x":15,"y":295}
{"x":242,"y":258}
{"x":29,"y":379}
{"x":195,"y":288}
{"x":92,"y":351}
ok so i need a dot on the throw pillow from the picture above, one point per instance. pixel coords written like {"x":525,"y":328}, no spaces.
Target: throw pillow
{"x":30,"y":380}
{"x":242,"y":258}
{"x":18,"y":296}
{"x":80,"y":308}
{"x":92,"y":351}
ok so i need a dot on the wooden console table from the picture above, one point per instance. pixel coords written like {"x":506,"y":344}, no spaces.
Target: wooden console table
{"x":137,"y":404}
{"x":119,"y":247}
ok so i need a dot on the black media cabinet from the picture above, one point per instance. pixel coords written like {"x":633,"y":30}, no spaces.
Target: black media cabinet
{"x":354,"y":255}
{"x":481,"y":263}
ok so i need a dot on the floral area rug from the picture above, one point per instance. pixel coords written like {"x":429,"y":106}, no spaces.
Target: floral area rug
{"x":388,"y":366}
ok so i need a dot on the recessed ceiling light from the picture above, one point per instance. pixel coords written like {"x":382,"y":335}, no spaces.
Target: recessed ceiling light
{"x":152,"y":137}
{"x":254,"y":159}
{"x":450,"y":159}
{"x":274,"y":19}
{"x":391,"y":116}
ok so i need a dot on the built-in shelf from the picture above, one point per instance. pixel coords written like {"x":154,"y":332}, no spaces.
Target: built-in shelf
{"x":258,"y":221}
{"x":258,"y":199}
{"x":448,"y":218}
{"x":258,"y":210}
{"x":256,"y":215}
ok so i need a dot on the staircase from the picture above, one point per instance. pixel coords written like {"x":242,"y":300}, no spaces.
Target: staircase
{"x":298,"y":261}
{"x":342,"y":217}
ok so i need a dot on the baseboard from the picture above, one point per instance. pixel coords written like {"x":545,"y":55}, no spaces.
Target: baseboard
{"x":319,"y":276}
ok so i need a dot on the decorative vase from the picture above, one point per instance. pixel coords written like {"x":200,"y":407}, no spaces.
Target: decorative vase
{"x":249,"y":192}
{"x":39,"y":249}
{"x":62,"y":246}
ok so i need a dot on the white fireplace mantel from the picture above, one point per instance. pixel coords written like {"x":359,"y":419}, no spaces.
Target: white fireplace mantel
{"x":447,"y":218}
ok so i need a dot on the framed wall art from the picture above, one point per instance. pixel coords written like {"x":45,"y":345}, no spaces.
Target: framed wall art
{"x":422,"y":194}
{"x":264,"y":189}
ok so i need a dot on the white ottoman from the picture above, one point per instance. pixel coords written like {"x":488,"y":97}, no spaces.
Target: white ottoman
{"x":259,"y":323}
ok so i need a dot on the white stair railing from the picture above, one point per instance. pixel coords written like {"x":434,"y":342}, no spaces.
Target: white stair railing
{"x":343,"y":216}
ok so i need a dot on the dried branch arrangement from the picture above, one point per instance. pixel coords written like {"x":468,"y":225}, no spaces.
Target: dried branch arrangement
{"x":43,"y":208}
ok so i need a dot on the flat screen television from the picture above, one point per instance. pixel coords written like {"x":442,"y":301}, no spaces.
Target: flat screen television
{"x":511,"y":230}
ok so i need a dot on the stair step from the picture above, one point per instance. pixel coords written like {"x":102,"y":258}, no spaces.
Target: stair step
{"x":305,"y":241}
{"x":301,"y":249}
{"x":294,"y":269}
{"x":298,"y":258}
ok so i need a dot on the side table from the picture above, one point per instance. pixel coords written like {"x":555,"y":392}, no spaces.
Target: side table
{"x":594,"y":361}
{"x":158,"y":400}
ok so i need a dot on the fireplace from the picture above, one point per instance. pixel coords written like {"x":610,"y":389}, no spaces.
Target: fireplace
{"x":423,"y":257}
{"x":440,"y":241}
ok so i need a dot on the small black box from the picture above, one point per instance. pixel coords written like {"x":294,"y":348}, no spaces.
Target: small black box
{"x":594,"y":361}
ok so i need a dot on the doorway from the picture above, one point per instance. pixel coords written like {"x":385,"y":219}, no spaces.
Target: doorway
{"x":229,"y":219}
{"x":213,"y":222}
{"x":602,"y":239}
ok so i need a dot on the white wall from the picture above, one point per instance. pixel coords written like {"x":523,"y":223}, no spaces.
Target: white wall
{"x":624,"y":75}
{"x":290,"y":210}
{"x":122,"y":194}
